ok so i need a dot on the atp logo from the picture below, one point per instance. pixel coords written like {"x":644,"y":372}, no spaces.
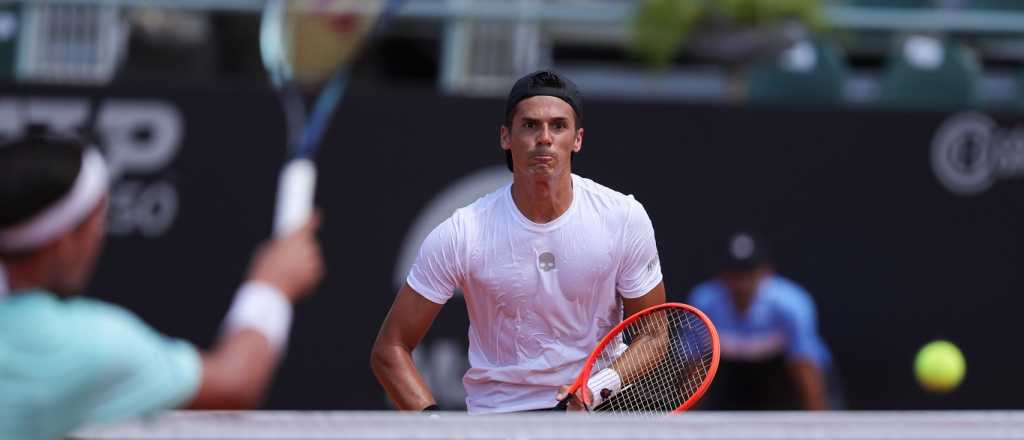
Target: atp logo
{"x":970,"y":152}
{"x":140,"y":138}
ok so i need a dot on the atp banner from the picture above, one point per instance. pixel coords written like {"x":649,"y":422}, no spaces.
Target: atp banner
{"x":904,"y":227}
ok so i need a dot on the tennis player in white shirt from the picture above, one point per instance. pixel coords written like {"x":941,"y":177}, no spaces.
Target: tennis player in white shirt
{"x":548,"y":265}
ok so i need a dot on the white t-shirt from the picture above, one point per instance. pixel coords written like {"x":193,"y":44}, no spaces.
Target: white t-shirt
{"x":539,"y":296}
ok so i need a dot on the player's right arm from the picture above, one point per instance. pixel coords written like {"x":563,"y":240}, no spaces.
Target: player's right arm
{"x":391,"y":359}
{"x":237,"y":372}
{"x":432,"y":279}
{"x":125,"y":368}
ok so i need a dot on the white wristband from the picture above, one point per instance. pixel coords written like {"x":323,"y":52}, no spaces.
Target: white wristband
{"x":606,"y":379}
{"x":262,"y":307}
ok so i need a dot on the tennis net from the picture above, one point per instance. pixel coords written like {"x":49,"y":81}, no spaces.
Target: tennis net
{"x":178,"y":425}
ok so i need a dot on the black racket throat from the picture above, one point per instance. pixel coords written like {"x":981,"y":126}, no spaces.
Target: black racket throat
{"x":563,"y":405}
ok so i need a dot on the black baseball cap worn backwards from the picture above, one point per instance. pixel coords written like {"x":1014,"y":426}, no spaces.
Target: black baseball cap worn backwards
{"x":545,"y":83}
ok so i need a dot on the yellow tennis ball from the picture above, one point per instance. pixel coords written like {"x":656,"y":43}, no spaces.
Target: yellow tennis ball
{"x":939,"y":366}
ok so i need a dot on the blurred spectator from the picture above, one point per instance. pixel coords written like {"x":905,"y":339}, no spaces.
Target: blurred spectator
{"x":772,"y":355}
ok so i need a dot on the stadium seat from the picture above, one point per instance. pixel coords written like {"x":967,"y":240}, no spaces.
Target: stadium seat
{"x":810,"y":72}
{"x":927,"y":72}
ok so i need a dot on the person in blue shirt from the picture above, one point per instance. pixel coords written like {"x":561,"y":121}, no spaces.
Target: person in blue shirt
{"x":772,"y":355}
{"x":67,"y":360}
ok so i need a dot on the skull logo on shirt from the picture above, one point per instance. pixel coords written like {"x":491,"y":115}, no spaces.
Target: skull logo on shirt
{"x":546,"y":261}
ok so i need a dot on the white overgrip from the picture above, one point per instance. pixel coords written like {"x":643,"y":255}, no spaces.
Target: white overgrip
{"x":295,"y":190}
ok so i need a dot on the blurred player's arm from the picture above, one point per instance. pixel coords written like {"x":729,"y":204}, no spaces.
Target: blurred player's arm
{"x":236,"y":373}
{"x":810,"y":383}
{"x":410,"y":317}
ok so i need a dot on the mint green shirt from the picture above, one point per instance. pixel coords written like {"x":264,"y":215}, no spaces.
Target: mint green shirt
{"x":67,"y":363}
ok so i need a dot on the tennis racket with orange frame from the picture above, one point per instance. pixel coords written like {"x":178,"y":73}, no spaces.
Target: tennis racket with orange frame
{"x":663,"y":357}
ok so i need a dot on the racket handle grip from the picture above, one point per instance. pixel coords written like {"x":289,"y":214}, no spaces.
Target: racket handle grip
{"x":295,"y":189}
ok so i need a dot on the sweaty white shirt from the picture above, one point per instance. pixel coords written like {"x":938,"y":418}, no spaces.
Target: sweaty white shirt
{"x":539,"y":296}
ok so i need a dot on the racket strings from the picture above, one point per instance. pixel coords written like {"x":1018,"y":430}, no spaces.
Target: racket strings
{"x":663,"y":358}
{"x":308,"y":48}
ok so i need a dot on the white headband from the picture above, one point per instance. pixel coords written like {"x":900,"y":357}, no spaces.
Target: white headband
{"x":66,"y":213}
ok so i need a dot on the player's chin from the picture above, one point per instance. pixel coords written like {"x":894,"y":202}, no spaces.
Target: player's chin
{"x":543,"y":169}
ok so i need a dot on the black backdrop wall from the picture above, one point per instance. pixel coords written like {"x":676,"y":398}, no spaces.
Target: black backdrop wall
{"x":897,"y":246}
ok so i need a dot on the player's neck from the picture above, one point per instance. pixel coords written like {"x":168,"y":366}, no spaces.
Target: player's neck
{"x":543,"y":200}
{"x":24,"y":275}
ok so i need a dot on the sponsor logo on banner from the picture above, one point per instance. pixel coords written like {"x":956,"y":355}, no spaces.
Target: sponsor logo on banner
{"x":141,"y":138}
{"x":971,"y":152}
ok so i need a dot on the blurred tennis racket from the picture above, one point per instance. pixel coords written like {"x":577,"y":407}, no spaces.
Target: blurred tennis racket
{"x":666,"y":357}
{"x":310,"y":45}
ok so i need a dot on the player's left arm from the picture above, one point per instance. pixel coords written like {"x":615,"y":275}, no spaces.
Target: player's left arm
{"x":639,"y":284}
{"x":653,"y":342}
{"x":639,"y":279}
{"x":655,"y":296}
{"x":627,"y":372}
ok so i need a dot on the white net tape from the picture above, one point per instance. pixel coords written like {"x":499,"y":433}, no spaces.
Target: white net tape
{"x":692,"y":425}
